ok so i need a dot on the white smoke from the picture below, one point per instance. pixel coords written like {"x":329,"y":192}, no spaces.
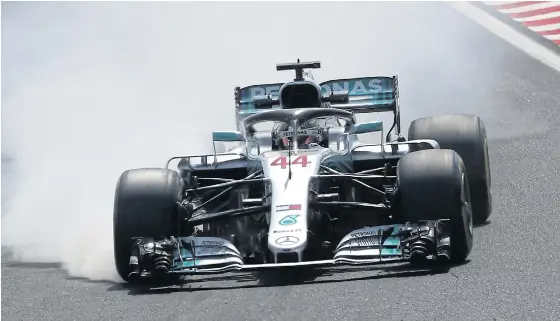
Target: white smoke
{"x":92,"y":89}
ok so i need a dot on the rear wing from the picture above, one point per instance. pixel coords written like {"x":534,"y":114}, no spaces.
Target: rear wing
{"x":379,"y":92}
{"x":359,"y":95}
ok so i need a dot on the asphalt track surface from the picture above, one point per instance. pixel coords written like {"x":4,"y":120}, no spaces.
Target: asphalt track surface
{"x":512,"y":274}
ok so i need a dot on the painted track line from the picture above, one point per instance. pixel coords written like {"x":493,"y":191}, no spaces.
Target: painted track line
{"x":509,"y":34}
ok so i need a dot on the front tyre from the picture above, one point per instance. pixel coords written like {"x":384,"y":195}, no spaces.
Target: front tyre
{"x":466,"y":135}
{"x":146,"y":205}
{"x":433,"y":185}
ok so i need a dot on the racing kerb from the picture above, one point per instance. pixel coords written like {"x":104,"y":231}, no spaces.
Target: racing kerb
{"x":539,"y":19}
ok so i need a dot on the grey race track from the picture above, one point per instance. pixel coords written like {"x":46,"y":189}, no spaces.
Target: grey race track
{"x":513,"y":272}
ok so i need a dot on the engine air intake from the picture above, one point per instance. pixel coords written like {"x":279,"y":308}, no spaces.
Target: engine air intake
{"x":300,"y":95}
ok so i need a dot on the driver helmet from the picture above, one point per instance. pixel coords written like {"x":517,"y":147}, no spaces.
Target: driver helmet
{"x":303,"y":141}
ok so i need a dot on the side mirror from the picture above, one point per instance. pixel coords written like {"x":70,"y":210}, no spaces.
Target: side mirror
{"x":232,"y":136}
{"x":369,"y":127}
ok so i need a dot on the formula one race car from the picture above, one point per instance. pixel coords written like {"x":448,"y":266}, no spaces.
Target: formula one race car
{"x":307,"y":191}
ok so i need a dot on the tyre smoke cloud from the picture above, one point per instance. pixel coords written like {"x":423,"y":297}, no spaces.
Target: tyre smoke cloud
{"x":92,"y":89}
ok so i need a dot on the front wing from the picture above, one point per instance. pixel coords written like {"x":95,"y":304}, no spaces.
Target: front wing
{"x":369,"y":245}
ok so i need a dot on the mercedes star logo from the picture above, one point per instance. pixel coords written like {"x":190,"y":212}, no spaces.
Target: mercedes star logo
{"x":287,"y":240}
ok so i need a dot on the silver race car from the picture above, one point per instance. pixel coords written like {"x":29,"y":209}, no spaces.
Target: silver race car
{"x":305,"y":190}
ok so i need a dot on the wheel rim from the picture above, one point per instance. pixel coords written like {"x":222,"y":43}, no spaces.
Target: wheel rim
{"x":469,"y":217}
{"x":487,"y":163}
{"x":467,"y":208}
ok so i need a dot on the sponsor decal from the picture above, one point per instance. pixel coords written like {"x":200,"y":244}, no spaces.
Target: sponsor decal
{"x":288,"y":231}
{"x":210,"y":251}
{"x":287,"y":240}
{"x":365,"y":233}
{"x":211,"y":243}
{"x":292,"y":207}
{"x":301,"y":132}
{"x":354,"y":86}
{"x":367,"y":241}
{"x":273,"y":90}
{"x":289,"y":220}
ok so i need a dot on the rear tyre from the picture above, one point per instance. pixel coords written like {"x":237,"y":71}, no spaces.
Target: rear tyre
{"x":145,"y":205}
{"x":466,"y":135}
{"x":433,"y":185}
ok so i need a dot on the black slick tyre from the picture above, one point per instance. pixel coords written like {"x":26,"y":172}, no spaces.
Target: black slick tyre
{"x":466,"y":135}
{"x":145,"y":205}
{"x":433,"y":185}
